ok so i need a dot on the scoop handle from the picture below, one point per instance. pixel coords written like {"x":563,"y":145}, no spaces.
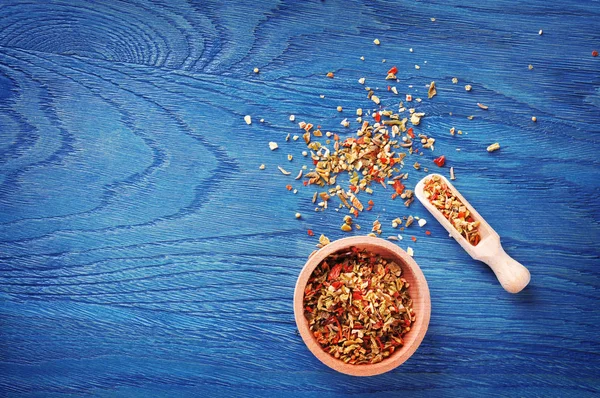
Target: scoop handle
{"x":511,"y":274}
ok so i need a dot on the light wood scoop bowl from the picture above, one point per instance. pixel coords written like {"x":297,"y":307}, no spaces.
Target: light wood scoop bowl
{"x":512,"y":275}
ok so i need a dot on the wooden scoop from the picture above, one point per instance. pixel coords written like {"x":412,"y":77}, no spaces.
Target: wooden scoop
{"x":512,"y":275}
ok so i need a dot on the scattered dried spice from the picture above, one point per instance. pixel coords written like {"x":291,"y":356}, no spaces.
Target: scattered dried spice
{"x":376,"y":227}
{"x":440,"y":161}
{"x":358,"y":306}
{"x":494,"y":147}
{"x":594,"y":53}
{"x":256,"y":70}
{"x":484,"y":107}
{"x":432,"y":91}
{"x":346,"y":227}
{"x":273,"y":145}
{"x":377,"y":42}
{"x":323,"y":240}
{"x":373,"y":155}
{"x":248,"y":119}
{"x":283,"y":171}
{"x":468,"y":87}
{"x":439,"y":194}
{"x":330,"y":75}
{"x":534,"y":119}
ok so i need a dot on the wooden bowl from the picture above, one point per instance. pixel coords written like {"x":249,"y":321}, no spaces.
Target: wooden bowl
{"x":418,"y":291}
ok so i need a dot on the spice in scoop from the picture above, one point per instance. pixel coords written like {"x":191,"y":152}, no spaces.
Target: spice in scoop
{"x":358,"y":307}
{"x":439,"y":195}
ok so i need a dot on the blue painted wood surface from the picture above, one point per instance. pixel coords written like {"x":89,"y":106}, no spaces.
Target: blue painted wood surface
{"x":143,"y":252}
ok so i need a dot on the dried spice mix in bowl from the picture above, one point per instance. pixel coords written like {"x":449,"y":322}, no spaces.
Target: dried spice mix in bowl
{"x":358,"y":306}
{"x":362,"y":305}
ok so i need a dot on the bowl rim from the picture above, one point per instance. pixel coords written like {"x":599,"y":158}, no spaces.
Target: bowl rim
{"x":422,"y":322}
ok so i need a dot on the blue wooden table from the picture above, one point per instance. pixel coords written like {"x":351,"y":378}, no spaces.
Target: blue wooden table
{"x":144,"y":253}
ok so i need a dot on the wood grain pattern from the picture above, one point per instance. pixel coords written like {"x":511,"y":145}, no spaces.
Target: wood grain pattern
{"x":143,"y":253}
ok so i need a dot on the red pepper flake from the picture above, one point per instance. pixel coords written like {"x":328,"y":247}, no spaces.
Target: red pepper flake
{"x":370,"y":202}
{"x":594,"y":53}
{"x":377,"y":117}
{"x":393,"y":70}
{"x":289,"y":187}
{"x":440,"y":161}
{"x":310,"y":232}
{"x":337,"y":284}
{"x":305,"y":183}
{"x":335,"y":272}
{"x":398,"y":187}
{"x":427,"y":232}
{"x":410,"y":133}
{"x":414,"y":238}
{"x":389,"y":88}
{"x":330,"y":75}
